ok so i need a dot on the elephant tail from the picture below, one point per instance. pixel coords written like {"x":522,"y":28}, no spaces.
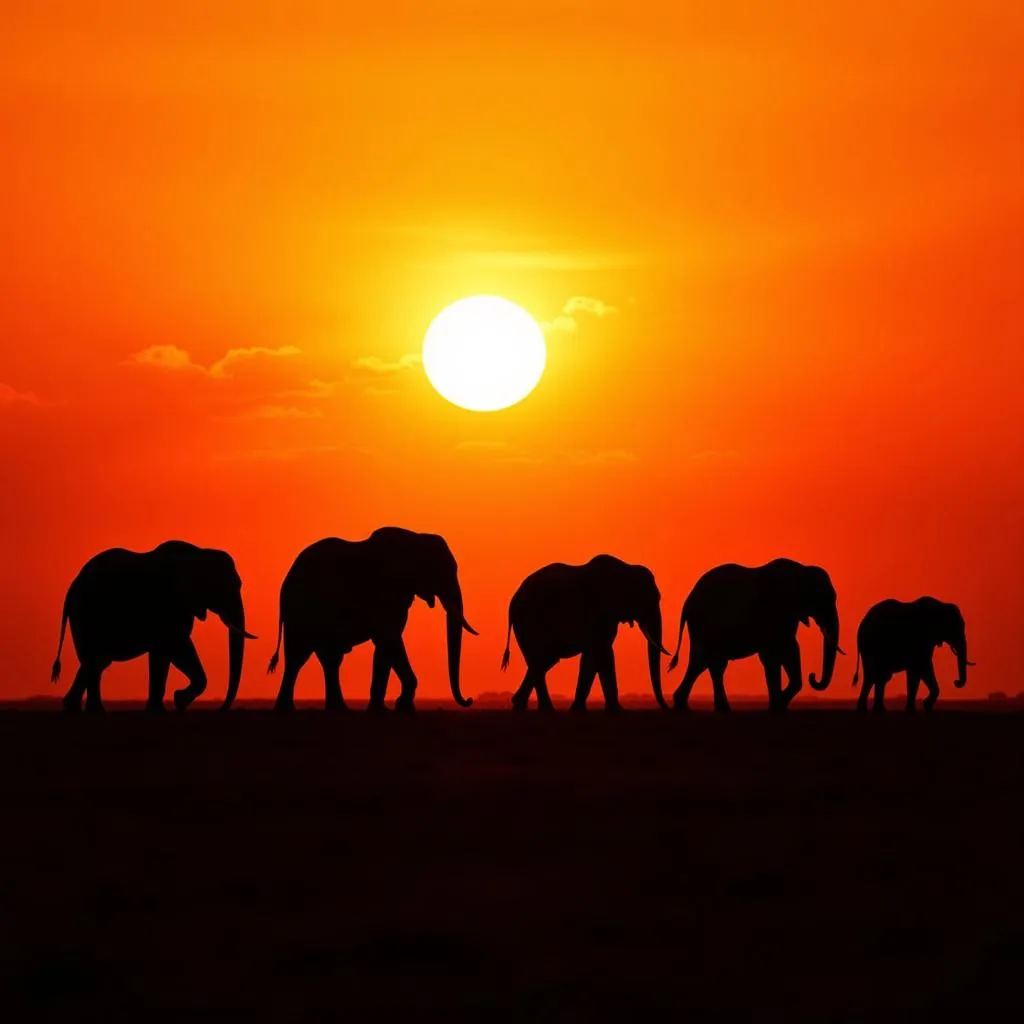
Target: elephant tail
{"x":679,"y":640}
{"x":508,"y":642}
{"x":276,"y":656}
{"x":856,"y":667}
{"x":55,"y":671}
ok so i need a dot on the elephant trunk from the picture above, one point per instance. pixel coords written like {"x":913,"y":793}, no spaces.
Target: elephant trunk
{"x":455,"y":625}
{"x":830,"y":631}
{"x":654,"y":664}
{"x":961,"y":667}
{"x":651,"y":630}
{"x":235,"y":621}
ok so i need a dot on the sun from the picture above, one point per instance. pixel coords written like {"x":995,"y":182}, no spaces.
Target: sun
{"x":484,"y":353}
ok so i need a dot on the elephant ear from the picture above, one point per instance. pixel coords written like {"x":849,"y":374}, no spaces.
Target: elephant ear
{"x":932,"y":622}
{"x":186,"y":589}
{"x":606,"y":598}
{"x":430,"y":565}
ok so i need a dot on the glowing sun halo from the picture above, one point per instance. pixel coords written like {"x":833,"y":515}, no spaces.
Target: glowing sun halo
{"x":484,"y":353}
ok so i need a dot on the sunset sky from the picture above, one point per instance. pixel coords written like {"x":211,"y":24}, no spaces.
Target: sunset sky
{"x":778,"y":249}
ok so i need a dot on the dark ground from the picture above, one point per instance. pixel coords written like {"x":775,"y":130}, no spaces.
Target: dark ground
{"x":819,"y":866}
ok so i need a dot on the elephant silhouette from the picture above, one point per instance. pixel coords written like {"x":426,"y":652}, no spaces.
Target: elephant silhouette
{"x":123,"y":604}
{"x":340,"y":593}
{"x":901,"y":636}
{"x":735,"y":611}
{"x":563,"y":610}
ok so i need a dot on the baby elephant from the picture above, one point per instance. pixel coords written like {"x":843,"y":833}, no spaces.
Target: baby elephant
{"x":900,"y":636}
{"x":564,"y":610}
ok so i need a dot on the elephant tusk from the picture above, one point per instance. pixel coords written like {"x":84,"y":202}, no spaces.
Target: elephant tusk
{"x":643,"y":633}
{"x":972,"y":663}
{"x":234,"y":629}
{"x":840,"y":650}
{"x":469,"y":629}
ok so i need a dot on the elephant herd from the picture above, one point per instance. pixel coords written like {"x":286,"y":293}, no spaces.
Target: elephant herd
{"x":339,"y":594}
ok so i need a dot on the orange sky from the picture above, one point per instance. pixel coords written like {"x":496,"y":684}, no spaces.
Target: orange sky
{"x":223,"y":226}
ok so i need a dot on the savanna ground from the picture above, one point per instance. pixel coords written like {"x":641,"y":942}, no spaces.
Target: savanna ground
{"x":491,"y":866}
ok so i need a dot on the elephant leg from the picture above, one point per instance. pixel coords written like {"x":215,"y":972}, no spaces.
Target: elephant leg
{"x":928,"y":675}
{"x":681,"y":697}
{"x":296,"y":653}
{"x":584,"y":681}
{"x":913,"y":682}
{"x":521,"y":698}
{"x":873,"y":676}
{"x":330,"y":662}
{"x":794,"y":672}
{"x":718,"y":683}
{"x":86,"y":681}
{"x":608,"y":679}
{"x":159,"y":666}
{"x":865,"y":690}
{"x":543,"y":696}
{"x":773,"y":679}
{"x":186,"y":660}
{"x":406,"y":676}
{"x":379,"y":676}
{"x":879,"y":705}
{"x":72,"y":701}
{"x":93,"y":702}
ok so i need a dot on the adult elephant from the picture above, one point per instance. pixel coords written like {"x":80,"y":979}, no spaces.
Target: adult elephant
{"x":564,"y":610}
{"x":124,"y":604}
{"x":901,"y":636}
{"x":341,"y":593}
{"x":735,"y":611}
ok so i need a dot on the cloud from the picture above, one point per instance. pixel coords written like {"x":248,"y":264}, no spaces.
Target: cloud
{"x":222,"y":368}
{"x":285,"y":454}
{"x":518,"y":459}
{"x":170,"y":357}
{"x":582,"y":304}
{"x":376,"y":373}
{"x":377,"y":367}
{"x":715,"y":455}
{"x":8,"y":396}
{"x":567,"y":322}
{"x":551,"y":260}
{"x":497,"y":452}
{"x":485,"y":446}
{"x":470,"y":244}
{"x":279,"y":412}
{"x":616,"y":457}
{"x":315,"y":389}
{"x":166,"y":357}
{"x":503,"y":452}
